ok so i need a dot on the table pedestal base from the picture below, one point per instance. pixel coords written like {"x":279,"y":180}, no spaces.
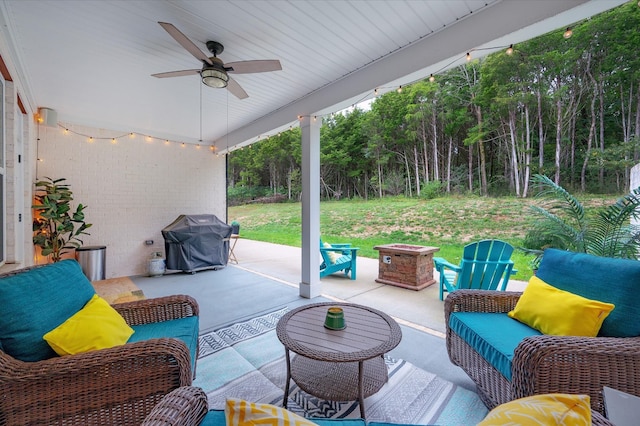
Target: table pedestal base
{"x":338,"y":381}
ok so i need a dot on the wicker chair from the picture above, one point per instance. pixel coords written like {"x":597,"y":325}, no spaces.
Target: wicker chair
{"x":543,"y":364}
{"x":115,"y":386}
{"x":185,"y":406}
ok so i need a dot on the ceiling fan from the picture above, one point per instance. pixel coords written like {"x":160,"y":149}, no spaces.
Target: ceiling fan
{"x":214,"y":72}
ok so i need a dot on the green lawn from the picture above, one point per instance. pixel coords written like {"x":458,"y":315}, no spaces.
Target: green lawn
{"x":448,"y":223}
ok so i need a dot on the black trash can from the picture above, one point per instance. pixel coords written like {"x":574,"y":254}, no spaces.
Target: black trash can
{"x":92,"y":259}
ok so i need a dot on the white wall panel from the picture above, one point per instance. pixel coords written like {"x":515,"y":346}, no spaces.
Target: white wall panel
{"x":133,"y":188}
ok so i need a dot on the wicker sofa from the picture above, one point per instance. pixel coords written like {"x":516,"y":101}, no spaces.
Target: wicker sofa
{"x":538,"y":364}
{"x":187,"y":406}
{"x":114,"y":386}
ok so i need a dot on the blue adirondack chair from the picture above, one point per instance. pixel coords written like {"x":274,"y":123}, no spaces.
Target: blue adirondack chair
{"x":484,"y":265}
{"x":336,"y":258}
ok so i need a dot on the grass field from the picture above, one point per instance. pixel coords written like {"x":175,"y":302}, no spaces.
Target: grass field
{"x":448,"y":223}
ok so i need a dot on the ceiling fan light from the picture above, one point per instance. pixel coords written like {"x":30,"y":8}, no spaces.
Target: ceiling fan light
{"x":214,"y":78}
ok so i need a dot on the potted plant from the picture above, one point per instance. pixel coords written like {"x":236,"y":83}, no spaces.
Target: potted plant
{"x":56,"y":228}
{"x":565,"y":223}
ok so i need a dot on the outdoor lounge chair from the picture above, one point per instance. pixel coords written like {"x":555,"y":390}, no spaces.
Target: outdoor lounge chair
{"x":336,"y":258}
{"x":483,"y":266}
{"x":118,"y":385}
{"x":508,"y":359}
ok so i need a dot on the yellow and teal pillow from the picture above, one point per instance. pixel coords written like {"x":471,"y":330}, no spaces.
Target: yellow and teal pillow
{"x":601,"y":278}
{"x":558,"y":312}
{"x":96,"y":326}
{"x":333,"y":255}
{"x":239,"y":412}
{"x":549,"y":409}
{"x":37,"y":300}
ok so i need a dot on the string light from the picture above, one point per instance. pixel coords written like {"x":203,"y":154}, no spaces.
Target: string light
{"x":114,"y":139}
{"x":374,"y":93}
{"x":567,"y":33}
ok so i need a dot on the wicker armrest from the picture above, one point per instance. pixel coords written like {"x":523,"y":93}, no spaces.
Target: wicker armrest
{"x":121,"y":383}
{"x":578,"y":365}
{"x":158,"y":309}
{"x":184,"y":406}
{"x":479,"y":301}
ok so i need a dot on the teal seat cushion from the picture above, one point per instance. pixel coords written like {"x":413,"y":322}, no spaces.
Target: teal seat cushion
{"x":185,"y":329}
{"x":216,"y":418}
{"x":494,"y":336}
{"x":37,"y":301}
{"x":599,"y":278}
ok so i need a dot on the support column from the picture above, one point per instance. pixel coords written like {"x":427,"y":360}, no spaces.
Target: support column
{"x":310,"y":285}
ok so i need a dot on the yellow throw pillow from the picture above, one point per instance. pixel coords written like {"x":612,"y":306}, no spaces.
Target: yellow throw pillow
{"x":558,"y":312}
{"x":238,"y":412}
{"x":96,"y":326}
{"x":333,"y":255}
{"x":550,"y":409}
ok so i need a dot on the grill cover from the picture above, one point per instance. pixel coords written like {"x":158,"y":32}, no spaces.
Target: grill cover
{"x":198,"y":241}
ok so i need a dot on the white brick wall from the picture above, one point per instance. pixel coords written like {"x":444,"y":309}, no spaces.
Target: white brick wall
{"x":133,"y":188}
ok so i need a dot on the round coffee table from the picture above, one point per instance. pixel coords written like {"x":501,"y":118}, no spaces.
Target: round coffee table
{"x":337,"y":365}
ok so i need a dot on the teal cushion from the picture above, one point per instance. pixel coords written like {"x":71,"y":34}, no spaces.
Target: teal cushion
{"x":185,"y":329}
{"x":388,"y":424}
{"x":494,"y":336}
{"x":37,"y":301}
{"x":216,"y":418}
{"x":600,"y":278}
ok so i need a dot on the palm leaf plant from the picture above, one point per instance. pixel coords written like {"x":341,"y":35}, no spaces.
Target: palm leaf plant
{"x":56,"y":227}
{"x":564,"y":223}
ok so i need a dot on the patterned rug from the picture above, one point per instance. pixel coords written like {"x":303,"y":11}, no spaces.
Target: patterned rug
{"x":246,"y":360}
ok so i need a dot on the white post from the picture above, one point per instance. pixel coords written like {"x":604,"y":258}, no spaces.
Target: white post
{"x":310,"y":285}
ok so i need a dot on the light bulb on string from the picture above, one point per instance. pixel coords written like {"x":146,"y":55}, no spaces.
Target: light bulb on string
{"x":400,"y":89}
{"x":509,"y":50}
{"x":432,"y":78}
{"x":468,"y":56}
{"x":567,"y":33}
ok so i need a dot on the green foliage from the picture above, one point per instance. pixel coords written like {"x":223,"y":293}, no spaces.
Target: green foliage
{"x":564,"y":223}
{"x":431,"y":190}
{"x":241,"y":194}
{"x":56,"y":228}
{"x":484,"y":126}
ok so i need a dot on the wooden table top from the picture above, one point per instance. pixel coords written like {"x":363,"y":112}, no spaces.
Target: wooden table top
{"x":368,"y":333}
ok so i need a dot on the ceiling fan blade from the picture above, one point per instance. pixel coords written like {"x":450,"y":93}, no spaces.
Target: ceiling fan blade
{"x":236,"y":90}
{"x":175,"y":73}
{"x":184,"y":41}
{"x":247,"y":67}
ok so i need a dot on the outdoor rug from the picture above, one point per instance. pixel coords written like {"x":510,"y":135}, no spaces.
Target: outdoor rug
{"x":246,"y":360}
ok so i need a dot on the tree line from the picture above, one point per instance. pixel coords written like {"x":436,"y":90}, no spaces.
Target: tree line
{"x":565,"y":108}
